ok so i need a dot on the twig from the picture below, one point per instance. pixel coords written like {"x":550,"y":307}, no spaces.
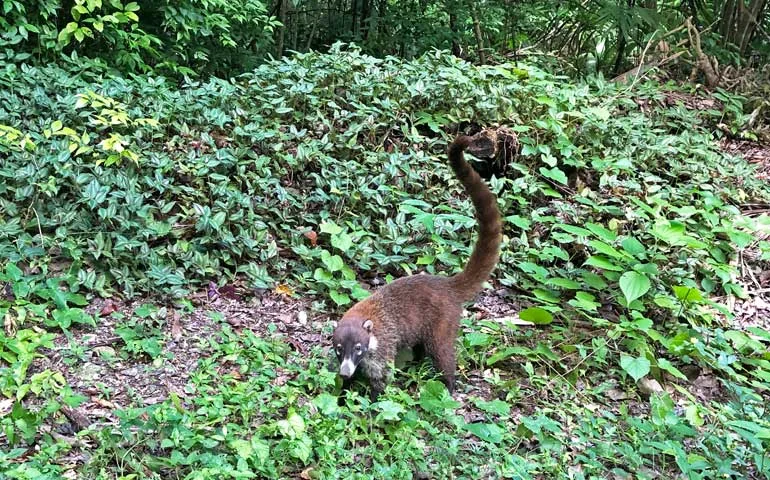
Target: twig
{"x":105,"y":342}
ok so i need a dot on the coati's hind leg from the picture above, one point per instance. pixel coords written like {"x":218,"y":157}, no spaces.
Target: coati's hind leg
{"x":442,"y":348}
{"x":445,"y":362}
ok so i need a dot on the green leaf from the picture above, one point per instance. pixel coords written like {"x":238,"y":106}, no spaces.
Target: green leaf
{"x":602,"y":262}
{"x":664,"y":364}
{"x":635,"y":367}
{"x":327,"y":404}
{"x":602,"y":232}
{"x":602,"y":247}
{"x":333,"y":263}
{"x":633,"y":246}
{"x":536,"y":315}
{"x":687,"y":294}
{"x":342,"y":241}
{"x":564,"y":283}
{"x":330,"y":227}
{"x":389,"y":410}
{"x":339,"y":298}
{"x":634,"y":285}
{"x":488,"y":432}
{"x":435,"y":398}
{"x":496,"y":406}
{"x":554,"y":174}
{"x":242,"y":448}
{"x":582,"y":232}
{"x":13,"y":272}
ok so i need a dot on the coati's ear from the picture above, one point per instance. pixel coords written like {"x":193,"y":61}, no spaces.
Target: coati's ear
{"x":334,"y":323}
{"x":368,"y":326}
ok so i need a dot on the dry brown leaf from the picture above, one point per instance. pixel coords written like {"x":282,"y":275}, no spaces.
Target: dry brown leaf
{"x":306,"y":473}
{"x":104,"y":403}
{"x":10,"y":324}
{"x":176,"y":325}
{"x":312,"y":236}
{"x":108,"y":308}
{"x":6,"y":404}
{"x":284,"y":289}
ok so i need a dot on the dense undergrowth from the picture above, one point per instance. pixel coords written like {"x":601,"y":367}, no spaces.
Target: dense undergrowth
{"x":622,"y":218}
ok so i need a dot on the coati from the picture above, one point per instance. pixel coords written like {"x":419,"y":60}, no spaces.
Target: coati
{"x":421,"y":310}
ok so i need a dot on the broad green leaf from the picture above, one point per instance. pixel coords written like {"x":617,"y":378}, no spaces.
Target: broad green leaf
{"x":687,"y":294}
{"x":496,"y":406}
{"x":546,"y":295}
{"x":554,"y":174}
{"x":489,"y":432}
{"x":342,"y":241}
{"x":333,"y":263}
{"x":633,"y":246}
{"x":608,"y":250}
{"x":536,"y":315}
{"x":339,"y":297}
{"x":389,"y":410}
{"x":634,"y":285}
{"x":635,"y":367}
{"x":602,"y":232}
{"x":664,"y":364}
{"x":574,"y":230}
{"x":564,"y":283}
{"x":330,"y":227}
{"x":602,"y":262}
{"x":327,"y":404}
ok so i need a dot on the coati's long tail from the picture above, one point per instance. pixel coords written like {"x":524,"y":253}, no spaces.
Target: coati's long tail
{"x":468,"y":283}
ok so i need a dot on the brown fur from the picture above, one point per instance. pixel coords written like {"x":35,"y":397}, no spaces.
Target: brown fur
{"x":422,"y":310}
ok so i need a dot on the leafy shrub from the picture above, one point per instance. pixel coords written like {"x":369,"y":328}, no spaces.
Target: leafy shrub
{"x":174,"y":36}
{"x":319,"y":171}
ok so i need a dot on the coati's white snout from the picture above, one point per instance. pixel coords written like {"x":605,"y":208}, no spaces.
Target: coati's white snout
{"x":347,"y":368}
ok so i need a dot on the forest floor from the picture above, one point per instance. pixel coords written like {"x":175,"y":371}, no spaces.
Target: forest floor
{"x":623,"y":226}
{"x":135,"y":381}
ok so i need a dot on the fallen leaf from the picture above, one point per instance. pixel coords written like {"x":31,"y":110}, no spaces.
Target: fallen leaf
{"x":109,"y":307}
{"x":104,"y":403}
{"x":236,"y":322}
{"x":648,"y":386}
{"x":228,"y":291}
{"x":212,"y":291}
{"x":8,"y":292}
{"x":312,"y":236}
{"x":176,"y":325}
{"x":305,"y":474}
{"x":6,"y":404}
{"x":616,"y":395}
{"x":10,"y":324}
{"x":296,"y":344}
{"x":284,"y":289}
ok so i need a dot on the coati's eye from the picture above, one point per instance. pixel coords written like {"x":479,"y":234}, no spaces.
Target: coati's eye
{"x":358,"y":349}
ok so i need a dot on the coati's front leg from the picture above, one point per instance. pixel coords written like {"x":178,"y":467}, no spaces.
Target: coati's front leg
{"x":377,"y":370}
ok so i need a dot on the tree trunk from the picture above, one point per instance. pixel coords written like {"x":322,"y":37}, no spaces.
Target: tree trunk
{"x":739,"y":22}
{"x":354,"y":21}
{"x":282,"y":30}
{"x":366,"y":18}
{"x":456,"y":50}
{"x":478,"y":35}
{"x":750,"y":19}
